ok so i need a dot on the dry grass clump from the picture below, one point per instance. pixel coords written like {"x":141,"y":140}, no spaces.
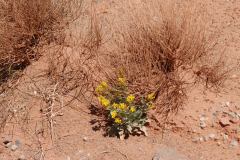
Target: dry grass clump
{"x":70,"y":73}
{"x":25,"y":25}
{"x":72,"y":65}
{"x":173,"y":36}
{"x":160,"y":44}
{"x":213,"y":74}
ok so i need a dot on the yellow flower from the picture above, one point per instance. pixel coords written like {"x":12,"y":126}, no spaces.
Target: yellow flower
{"x":115,"y":105}
{"x":151,"y":96}
{"x":114,"y":114}
{"x":102,"y":87}
{"x":132,"y":109}
{"x":104,"y":101}
{"x":104,"y":84}
{"x":122,"y":81}
{"x":122,"y":106}
{"x":130,"y":98}
{"x":118,"y":121}
{"x":99,"y":89}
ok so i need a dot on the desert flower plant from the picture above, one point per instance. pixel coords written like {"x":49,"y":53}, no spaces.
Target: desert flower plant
{"x":126,"y":113}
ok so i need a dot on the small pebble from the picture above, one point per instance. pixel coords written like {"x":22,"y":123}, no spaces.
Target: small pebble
{"x":201,"y":139}
{"x":238,"y":114}
{"x":225,"y":137}
{"x":212,"y":136}
{"x":224,"y":122}
{"x":203,"y":118}
{"x":85,"y":139}
{"x":8,"y":145}
{"x":203,"y":125}
{"x":14,"y":147}
{"x":7,"y":141}
{"x":227,"y":104}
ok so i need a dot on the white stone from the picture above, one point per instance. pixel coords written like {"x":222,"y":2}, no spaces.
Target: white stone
{"x":14,"y":147}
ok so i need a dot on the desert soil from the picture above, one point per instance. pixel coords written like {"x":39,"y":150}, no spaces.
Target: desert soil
{"x":207,"y":128}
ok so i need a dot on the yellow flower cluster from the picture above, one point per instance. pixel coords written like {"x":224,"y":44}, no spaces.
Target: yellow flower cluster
{"x":102,"y":87}
{"x":104,"y":101}
{"x":114,"y":116}
{"x":130,"y":98}
{"x":123,"y":106}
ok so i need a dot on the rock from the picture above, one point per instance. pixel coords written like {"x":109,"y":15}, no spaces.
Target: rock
{"x":6,"y":141}
{"x":14,"y":147}
{"x":201,"y":139}
{"x":234,"y":143}
{"x":202,"y":124}
{"x":60,"y":114}
{"x":8,"y":145}
{"x":85,"y":139}
{"x":225,"y":137}
{"x":224,"y":122}
{"x":227,"y":104}
{"x":238,"y":114}
{"x":232,"y":115}
{"x":212,"y":136}
{"x":166,"y":153}
{"x":202,"y":118}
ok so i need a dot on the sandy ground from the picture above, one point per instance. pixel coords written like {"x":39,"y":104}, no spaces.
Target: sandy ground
{"x":76,"y":139}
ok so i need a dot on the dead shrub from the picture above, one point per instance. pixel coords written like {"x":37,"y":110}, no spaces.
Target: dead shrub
{"x":72,"y":65}
{"x":25,"y":26}
{"x":158,"y":46}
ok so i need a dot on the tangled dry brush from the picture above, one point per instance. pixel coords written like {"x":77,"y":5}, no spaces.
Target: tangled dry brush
{"x":159,"y":49}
